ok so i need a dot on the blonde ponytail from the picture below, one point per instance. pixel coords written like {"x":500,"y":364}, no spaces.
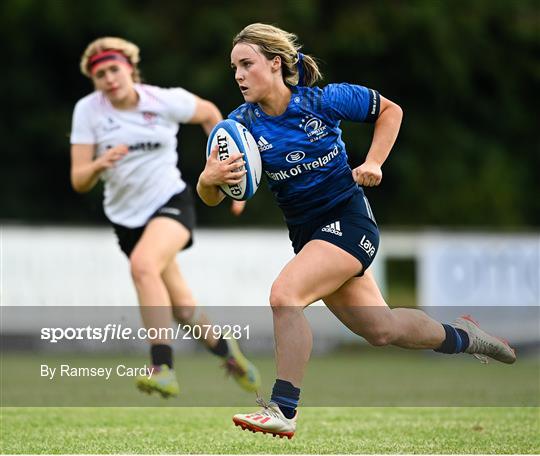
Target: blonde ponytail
{"x":297,"y":68}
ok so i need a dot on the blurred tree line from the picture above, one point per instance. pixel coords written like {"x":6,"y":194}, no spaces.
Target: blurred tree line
{"x":465,"y":73}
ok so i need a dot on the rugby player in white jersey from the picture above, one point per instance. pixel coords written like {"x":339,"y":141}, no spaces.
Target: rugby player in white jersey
{"x":124,"y":133}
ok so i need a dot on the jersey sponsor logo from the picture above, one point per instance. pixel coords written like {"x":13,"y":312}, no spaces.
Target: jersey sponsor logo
{"x":373,"y":102}
{"x":170,"y":210}
{"x":280,"y":175}
{"x":367,"y":246}
{"x":296,"y":156}
{"x":145,"y":146}
{"x":299,"y":168}
{"x":334,"y":228}
{"x":314,"y":127}
{"x":263,"y":144}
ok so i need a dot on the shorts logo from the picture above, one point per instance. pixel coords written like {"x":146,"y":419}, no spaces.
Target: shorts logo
{"x":263,"y":144}
{"x":170,"y":210}
{"x":296,"y":156}
{"x":367,"y":246}
{"x":333,"y":228}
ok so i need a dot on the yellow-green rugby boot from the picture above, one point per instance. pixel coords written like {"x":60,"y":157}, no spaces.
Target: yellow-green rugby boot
{"x":243,"y":371}
{"x":163,"y":381}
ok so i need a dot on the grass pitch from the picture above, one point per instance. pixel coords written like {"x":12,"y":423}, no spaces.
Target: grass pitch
{"x":321,"y":430}
{"x":375,"y":381}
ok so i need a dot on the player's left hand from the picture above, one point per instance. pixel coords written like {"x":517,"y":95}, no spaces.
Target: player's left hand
{"x":237,"y":207}
{"x":368,"y":174}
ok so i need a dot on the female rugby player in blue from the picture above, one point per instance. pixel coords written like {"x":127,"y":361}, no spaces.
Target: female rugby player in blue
{"x":331,"y":226}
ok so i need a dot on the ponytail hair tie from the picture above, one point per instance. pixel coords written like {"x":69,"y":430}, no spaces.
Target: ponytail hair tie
{"x":300,"y":68}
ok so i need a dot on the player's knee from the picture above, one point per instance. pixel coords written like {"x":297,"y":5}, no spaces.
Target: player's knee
{"x":281,"y":296}
{"x":142,"y":269}
{"x":184,"y":312}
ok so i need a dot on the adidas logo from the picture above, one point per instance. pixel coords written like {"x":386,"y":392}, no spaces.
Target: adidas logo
{"x":334,"y":228}
{"x":263,"y":144}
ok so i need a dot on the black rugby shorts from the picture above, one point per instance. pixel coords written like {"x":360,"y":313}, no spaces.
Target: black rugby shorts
{"x":180,"y":207}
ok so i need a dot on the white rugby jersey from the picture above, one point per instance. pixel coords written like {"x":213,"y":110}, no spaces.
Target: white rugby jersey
{"x":145,"y":178}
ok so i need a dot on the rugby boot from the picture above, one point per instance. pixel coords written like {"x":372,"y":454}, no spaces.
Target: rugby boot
{"x":162,"y":381}
{"x":482,"y":344}
{"x":268,"y":420}
{"x":241,"y":369}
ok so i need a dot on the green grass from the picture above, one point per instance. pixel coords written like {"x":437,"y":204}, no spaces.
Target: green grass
{"x":320,"y":431}
{"x":375,"y":381}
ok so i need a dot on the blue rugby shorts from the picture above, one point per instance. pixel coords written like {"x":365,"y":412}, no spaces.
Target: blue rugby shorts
{"x":350,"y":225}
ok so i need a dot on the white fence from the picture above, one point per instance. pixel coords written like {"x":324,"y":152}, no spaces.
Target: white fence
{"x":59,"y":266}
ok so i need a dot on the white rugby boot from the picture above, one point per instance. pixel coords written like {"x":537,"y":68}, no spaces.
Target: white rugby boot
{"x":268,"y":420}
{"x":482,"y":345}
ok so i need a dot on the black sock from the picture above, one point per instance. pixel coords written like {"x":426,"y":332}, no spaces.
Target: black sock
{"x":161,"y":354}
{"x":456,"y":340}
{"x":221,"y":349}
{"x":286,"y":396}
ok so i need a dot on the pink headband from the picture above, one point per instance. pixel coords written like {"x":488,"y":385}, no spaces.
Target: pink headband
{"x":105,"y":56}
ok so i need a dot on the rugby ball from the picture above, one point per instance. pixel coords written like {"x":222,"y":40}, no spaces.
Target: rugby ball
{"x":232,"y":137}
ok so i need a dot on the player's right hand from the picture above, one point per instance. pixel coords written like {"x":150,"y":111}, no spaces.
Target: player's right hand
{"x":218,"y":172}
{"x":368,"y":174}
{"x":112,"y":155}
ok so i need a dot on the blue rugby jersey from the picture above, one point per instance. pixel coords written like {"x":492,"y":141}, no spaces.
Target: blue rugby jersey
{"x":303,"y":156}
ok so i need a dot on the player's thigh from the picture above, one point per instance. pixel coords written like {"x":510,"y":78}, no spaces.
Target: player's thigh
{"x":162,"y":238}
{"x":359,"y":304}
{"x":318,"y":270}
